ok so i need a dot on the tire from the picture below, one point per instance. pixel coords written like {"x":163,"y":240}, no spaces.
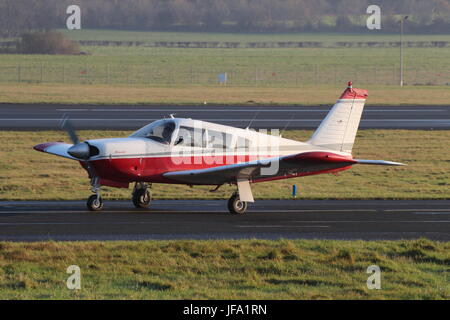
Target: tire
{"x":142,"y":198}
{"x":94,"y":203}
{"x":236,"y":206}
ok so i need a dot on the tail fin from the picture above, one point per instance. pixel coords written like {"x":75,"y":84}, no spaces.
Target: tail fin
{"x":338,"y":130}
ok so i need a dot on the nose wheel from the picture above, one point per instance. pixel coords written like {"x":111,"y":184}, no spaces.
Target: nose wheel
{"x":141,"y":196}
{"x":95,"y":203}
{"x":236,"y":205}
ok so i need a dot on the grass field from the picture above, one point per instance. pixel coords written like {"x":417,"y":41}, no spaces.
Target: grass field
{"x":121,"y":35}
{"x":228,"y":269}
{"x":140,"y":65}
{"x":26,"y":174}
{"x":308,"y":95}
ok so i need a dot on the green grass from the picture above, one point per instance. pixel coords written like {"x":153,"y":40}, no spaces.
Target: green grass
{"x":227,"y":269}
{"x":26,"y":174}
{"x":245,"y":67}
{"x":121,"y":35}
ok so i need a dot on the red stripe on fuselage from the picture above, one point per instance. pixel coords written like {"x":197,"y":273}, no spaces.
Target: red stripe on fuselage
{"x":152,"y":169}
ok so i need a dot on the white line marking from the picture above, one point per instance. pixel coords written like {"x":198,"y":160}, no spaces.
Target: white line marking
{"x":281,"y":226}
{"x":228,"y":120}
{"x":184,"y":211}
{"x":350,"y":210}
{"x":372,"y":221}
{"x":431,"y":212}
{"x":237,"y":110}
{"x":73,"y":223}
{"x":318,"y":210}
{"x":418,"y":210}
{"x":59,"y":212}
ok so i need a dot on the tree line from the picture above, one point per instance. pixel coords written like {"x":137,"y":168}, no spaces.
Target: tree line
{"x":426,"y":16}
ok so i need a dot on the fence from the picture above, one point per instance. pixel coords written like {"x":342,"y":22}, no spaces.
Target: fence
{"x":11,"y":44}
{"x":145,"y":74}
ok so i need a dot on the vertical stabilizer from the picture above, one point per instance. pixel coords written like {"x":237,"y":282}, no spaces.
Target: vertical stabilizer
{"x":338,"y":130}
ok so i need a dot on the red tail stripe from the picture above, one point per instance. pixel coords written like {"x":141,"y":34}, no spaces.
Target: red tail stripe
{"x":351,"y":93}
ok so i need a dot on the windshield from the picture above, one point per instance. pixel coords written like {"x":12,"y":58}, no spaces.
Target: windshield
{"x":160,"y":131}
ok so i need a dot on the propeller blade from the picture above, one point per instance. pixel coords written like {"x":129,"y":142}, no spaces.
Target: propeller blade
{"x":67,"y":125}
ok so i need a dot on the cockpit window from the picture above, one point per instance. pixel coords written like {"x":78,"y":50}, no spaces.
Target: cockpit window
{"x":219,"y":140}
{"x":160,"y":131}
{"x":191,"y":137}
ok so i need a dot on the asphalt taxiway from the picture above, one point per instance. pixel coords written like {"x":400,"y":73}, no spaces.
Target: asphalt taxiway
{"x":126,"y":117}
{"x":209,"y":219}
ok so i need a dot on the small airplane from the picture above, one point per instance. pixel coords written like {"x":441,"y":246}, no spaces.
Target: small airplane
{"x":193,"y":152}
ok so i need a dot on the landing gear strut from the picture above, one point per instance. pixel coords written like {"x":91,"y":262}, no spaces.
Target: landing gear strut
{"x":236,"y":205}
{"x":141,"y":195}
{"x":95,"y":201}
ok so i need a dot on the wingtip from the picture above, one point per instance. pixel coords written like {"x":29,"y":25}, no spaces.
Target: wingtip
{"x":43,"y":146}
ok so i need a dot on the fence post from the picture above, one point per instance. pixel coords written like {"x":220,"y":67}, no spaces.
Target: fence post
{"x":335,"y":74}
{"x":316,"y":74}
{"x":393,"y":73}
{"x":107,"y":73}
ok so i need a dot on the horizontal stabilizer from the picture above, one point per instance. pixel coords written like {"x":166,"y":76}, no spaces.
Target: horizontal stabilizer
{"x":379,"y":162}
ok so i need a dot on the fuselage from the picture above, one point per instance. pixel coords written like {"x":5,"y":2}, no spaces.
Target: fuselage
{"x":192,"y":144}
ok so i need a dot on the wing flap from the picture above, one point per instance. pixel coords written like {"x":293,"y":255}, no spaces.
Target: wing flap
{"x":56,"y":148}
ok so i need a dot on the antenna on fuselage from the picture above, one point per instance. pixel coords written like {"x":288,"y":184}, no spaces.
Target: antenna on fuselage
{"x":172,"y":115}
{"x":287,"y":124}
{"x":256,"y":114}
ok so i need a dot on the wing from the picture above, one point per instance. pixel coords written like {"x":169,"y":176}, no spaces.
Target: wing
{"x":56,"y":148}
{"x":265,"y":168}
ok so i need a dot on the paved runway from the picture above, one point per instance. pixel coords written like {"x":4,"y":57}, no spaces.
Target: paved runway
{"x":132,"y":117}
{"x":209,"y":219}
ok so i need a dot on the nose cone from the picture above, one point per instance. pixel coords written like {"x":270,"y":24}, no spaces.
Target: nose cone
{"x":79,"y":151}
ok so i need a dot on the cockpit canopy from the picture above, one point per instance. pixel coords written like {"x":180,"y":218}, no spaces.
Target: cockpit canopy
{"x":195,"y":134}
{"x":160,"y":131}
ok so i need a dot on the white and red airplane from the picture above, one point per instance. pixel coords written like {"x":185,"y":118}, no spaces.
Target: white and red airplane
{"x":193,"y":152}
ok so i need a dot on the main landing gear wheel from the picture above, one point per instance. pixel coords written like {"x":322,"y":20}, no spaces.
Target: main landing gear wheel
{"x":95,"y":203}
{"x":142,"y":198}
{"x":236,"y":206}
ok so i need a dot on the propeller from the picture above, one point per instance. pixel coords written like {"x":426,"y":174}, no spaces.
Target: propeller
{"x":79,"y":150}
{"x":67,"y":125}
